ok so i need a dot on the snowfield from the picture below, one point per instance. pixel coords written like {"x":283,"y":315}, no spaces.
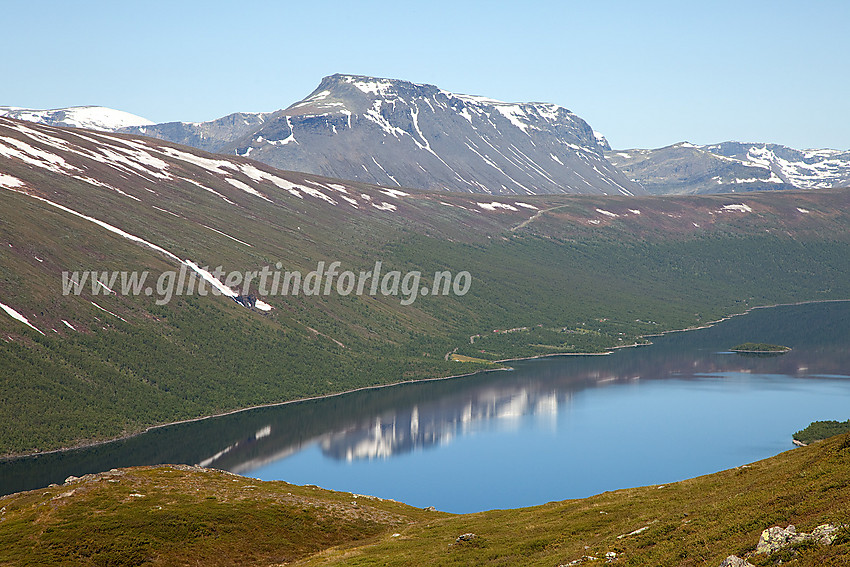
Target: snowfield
{"x":88,"y":117}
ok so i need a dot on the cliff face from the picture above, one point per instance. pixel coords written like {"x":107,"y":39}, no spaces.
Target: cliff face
{"x":400,"y":133}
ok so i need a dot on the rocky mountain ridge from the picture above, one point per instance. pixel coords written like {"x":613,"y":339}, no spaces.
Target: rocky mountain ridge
{"x":732,"y":167}
{"x":400,"y":133}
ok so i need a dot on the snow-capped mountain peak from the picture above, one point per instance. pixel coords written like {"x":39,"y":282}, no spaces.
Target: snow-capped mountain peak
{"x":396,"y":132}
{"x":732,"y":167}
{"x":88,"y":117}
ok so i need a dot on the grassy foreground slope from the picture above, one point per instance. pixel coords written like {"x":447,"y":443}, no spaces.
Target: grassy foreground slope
{"x":549,"y":274}
{"x":189,"y":516}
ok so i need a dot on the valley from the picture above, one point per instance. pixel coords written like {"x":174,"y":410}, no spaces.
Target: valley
{"x":309,"y":283}
{"x":582,"y":273}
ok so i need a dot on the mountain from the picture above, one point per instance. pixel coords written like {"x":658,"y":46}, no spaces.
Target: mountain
{"x":732,"y":167}
{"x":210,"y":136}
{"x":94,"y":355}
{"x":90,"y":117}
{"x":399,"y":133}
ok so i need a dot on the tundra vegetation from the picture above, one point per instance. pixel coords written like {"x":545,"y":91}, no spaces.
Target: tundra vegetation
{"x":174,"y":515}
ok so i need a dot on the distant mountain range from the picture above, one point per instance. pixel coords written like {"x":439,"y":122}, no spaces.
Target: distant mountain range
{"x":732,"y":167}
{"x":398,"y":133}
{"x":212,"y":136}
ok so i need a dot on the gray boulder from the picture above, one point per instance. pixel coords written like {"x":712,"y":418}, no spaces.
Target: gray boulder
{"x":776,"y":538}
{"x":826,"y":533}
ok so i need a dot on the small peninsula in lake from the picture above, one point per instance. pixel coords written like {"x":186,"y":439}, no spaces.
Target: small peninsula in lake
{"x":760,"y":348}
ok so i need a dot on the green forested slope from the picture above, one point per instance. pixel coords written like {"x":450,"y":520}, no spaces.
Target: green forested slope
{"x":563,"y":274}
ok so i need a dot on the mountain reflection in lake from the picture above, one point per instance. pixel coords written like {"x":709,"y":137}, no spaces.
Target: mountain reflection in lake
{"x":554,"y":428}
{"x":396,"y":433}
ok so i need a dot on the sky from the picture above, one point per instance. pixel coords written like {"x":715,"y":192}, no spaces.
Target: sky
{"x":645,"y":74}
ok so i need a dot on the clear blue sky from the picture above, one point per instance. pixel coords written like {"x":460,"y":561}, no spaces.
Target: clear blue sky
{"x":645,"y":74}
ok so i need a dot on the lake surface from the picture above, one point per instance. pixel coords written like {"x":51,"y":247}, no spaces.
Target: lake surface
{"x":551,"y":429}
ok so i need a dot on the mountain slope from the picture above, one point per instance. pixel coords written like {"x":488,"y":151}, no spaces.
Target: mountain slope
{"x":208,"y":136}
{"x":731,"y":167}
{"x":95,"y":361}
{"x":89,"y":117}
{"x":399,"y":133}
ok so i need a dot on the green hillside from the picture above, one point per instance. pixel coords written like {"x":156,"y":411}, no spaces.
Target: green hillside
{"x":549,"y":274}
{"x":820,"y":430}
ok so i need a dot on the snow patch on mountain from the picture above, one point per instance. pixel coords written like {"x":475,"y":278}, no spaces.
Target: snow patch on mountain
{"x":247,"y":188}
{"x":601,"y":141}
{"x":496,"y":205}
{"x":513,"y":112}
{"x":740,"y":208}
{"x":14,"y":148}
{"x":227,"y":235}
{"x":317,"y":194}
{"x":102,"y":224}
{"x":205,"y":188}
{"x":108,"y":311}
{"x":15,"y":315}
{"x":206,"y":275}
{"x":88,"y":117}
{"x":394,"y":193}
{"x":220,"y":287}
{"x":216,"y":166}
{"x":9,"y":181}
{"x":124,"y":155}
{"x":379,"y":87}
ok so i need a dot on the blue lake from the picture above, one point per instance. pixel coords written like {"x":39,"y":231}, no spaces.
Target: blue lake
{"x":551,"y":429}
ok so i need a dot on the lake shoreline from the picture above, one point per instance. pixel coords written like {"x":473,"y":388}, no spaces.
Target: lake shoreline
{"x":89,"y":444}
{"x":663,"y":333}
